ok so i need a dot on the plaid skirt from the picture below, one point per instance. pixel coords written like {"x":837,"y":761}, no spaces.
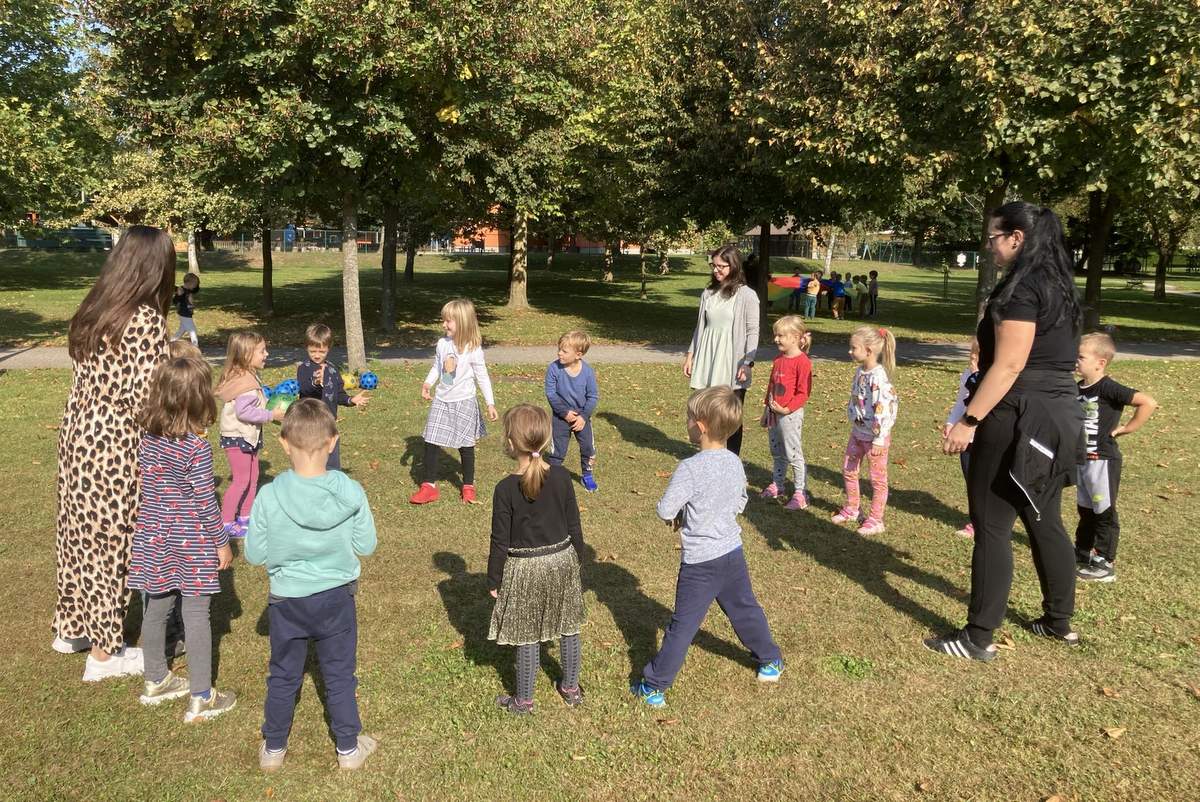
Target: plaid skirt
{"x":454,"y":424}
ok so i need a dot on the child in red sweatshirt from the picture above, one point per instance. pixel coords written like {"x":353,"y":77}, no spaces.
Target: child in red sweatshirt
{"x":791,"y":384}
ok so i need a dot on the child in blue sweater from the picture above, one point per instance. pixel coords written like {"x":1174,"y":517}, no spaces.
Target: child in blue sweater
{"x":319,"y":378}
{"x":308,"y":527}
{"x":573,"y":394}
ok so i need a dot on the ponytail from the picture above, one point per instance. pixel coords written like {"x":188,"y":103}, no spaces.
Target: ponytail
{"x":527,"y":433}
{"x":534,"y":476}
{"x":1044,"y":252}
{"x":882,"y":342}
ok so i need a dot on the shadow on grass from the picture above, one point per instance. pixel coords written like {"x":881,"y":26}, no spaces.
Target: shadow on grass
{"x":449,"y":464}
{"x":468,"y":606}
{"x":869,"y":563}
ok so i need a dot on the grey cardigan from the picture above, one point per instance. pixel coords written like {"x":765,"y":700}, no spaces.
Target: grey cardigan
{"x":745,"y":328}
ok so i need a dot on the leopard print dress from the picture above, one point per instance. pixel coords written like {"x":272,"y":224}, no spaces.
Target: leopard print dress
{"x":98,"y":481}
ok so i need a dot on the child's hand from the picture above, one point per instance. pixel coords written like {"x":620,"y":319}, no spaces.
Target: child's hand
{"x":224,"y":557}
{"x":878,"y":451}
{"x":578,"y":424}
{"x":494,"y":593}
{"x":1120,"y":430}
{"x":675,"y":523}
{"x":450,"y":364}
{"x":777,"y":408}
{"x":360,"y":400}
{"x":945,"y":430}
{"x":687,"y":366}
{"x":742,"y":374}
{"x":319,"y":376}
{"x":425,"y":392}
{"x":571,"y":416}
{"x":277,"y":414}
{"x":492,"y":414}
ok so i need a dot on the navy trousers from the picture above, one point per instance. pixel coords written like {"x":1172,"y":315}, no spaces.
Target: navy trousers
{"x":329,"y":619}
{"x":562,"y":441}
{"x":726,"y":580}
{"x":334,"y":461}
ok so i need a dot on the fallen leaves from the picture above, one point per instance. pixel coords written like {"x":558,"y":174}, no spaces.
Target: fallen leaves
{"x":458,"y":644}
{"x":666,"y":722}
{"x":663,"y":474}
{"x":1006,"y":642}
{"x":924,"y":786}
{"x":373,"y":464}
{"x":1113,"y":733}
{"x":1109,"y":693}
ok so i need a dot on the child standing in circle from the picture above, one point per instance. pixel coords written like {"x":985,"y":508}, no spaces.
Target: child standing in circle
{"x":242,"y":417}
{"x":787,"y":393}
{"x":319,"y":378}
{"x":573,"y":394}
{"x":967,"y":382}
{"x":533,"y":568}
{"x":872,"y":411}
{"x":186,"y":307}
{"x":703,"y":499}
{"x":454,"y":420}
{"x":179,"y":544}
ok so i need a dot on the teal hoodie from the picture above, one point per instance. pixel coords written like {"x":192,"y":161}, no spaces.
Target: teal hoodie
{"x":309,"y":532}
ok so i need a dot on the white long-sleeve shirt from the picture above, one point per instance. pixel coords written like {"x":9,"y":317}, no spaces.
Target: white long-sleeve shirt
{"x":460,"y":384}
{"x":873,"y":405}
{"x":960,"y":401}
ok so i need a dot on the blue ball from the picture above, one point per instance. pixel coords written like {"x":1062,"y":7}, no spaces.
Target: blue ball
{"x":368,"y":380}
{"x":267,"y":391}
{"x":288,"y":387}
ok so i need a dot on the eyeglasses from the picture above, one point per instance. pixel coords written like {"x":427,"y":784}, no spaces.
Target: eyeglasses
{"x":719,"y":265}
{"x":991,"y":237}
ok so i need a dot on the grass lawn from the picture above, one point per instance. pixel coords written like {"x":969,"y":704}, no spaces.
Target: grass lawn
{"x":862,"y":712}
{"x":40,"y":291}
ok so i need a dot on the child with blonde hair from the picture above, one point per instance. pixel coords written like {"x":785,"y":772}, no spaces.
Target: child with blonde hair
{"x":533,"y":567}
{"x":179,"y":524}
{"x":573,"y":394}
{"x":454,"y":419}
{"x":872,"y":412}
{"x":243,"y":413}
{"x":787,"y":393}
{"x":706,"y":494}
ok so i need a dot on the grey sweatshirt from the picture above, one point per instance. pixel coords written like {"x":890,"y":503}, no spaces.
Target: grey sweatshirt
{"x":710,"y":489}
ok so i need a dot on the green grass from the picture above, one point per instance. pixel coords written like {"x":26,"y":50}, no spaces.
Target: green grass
{"x":862,"y":712}
{"x":40,"y":291}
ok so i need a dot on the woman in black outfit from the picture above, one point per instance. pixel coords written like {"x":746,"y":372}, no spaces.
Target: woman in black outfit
{"x":1027,"y":426}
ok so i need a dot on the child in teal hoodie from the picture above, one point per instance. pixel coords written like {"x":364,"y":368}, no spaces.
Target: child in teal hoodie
{"x":309,"y":527}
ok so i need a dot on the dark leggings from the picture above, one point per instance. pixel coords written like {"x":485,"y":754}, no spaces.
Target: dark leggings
{"x":466,"y":454}
{"x":528,"y":656}
{"x":996,"y":502}
{"x":735,"y":440}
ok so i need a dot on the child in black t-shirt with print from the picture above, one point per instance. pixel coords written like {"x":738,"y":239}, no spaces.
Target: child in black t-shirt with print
{"x":1103,"y":401}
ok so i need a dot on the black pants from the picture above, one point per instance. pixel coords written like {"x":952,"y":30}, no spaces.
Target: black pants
{"x":735,"y":440}
{"x":996,"y":502}
{"x":466,"y":455}
{"x":1101,"y":530}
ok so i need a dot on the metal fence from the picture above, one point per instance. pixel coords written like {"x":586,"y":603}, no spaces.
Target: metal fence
{"x":297,"y":239}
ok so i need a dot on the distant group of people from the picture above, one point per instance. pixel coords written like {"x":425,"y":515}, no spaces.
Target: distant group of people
{"x":137,"y":509}
{"x":844,"y":294}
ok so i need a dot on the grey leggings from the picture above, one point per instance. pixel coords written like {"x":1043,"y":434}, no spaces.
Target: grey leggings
{"x":196,"y":629}
{"x":528,"y":657}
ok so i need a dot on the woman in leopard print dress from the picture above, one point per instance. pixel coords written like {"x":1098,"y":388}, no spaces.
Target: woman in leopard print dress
{"x":117,"y":338}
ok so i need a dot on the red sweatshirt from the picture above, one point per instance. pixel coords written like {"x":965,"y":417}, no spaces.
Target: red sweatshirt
{"x":791,"y":381}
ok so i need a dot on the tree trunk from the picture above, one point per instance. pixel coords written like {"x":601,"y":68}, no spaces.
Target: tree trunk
{"x":918,"y":247}
{"x":193,"y":253}
{"x":608,"y":262}
{"x":387,"y":302}
{"x":268,"y":285}
{"x":1101,"y":208}
{"x":993,"y":198}
{"x":410,"y":256}
{"x":1165,"y":257}
{"x":664,"y":264}
{"x":642,"y":268}
{"x":356,"y":349}
{"x":763,"y":276}
{"x":518,"y":276}
{"x":829,"y":251}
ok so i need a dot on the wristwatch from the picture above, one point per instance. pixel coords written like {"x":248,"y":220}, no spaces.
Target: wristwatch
{"x":970,"y":419}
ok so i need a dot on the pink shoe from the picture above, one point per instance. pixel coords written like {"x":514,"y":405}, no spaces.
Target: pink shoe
{"x":871,"y":527}
{"x":844,"y":515}
{"x":770,"y":491}
{"x":798,"y":502}
{"x":966,"y":531}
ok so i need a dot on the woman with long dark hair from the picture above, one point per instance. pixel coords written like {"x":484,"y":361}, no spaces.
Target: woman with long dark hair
{"x":117,"y":338}
{"x":726,"y":335}
{"x":1028,"y":429}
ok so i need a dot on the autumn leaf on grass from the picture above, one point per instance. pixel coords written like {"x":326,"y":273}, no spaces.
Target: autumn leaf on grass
{"x":1195,"y":691}
{"x":578,"y":757}
{"x":1113,"y":733}
{"x":1005,"y":641}
{"x":663,"y":474}
{"x":1163,"y":496}
{"x":636,"y":492}
{"x":456,"y":645}
{"x":373,"y":464}
{"x":1109,"y":693}
{"x":1054,"y":798}
{"x":667,"y":721}
{"x":901,"y":461}
{"x":924,"y":786}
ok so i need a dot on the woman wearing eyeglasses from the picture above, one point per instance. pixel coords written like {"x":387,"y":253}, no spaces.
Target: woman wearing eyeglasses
{"x":1027,"y":427}
{"x":726,"y":335}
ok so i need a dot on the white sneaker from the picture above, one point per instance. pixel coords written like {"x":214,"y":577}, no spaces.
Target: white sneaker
{"x":70,"y":645}
{"x":362,"y":750}
{"x":127,"y":662}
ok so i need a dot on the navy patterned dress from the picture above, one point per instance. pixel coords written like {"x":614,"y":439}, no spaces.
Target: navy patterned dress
{"x":179,"y":526}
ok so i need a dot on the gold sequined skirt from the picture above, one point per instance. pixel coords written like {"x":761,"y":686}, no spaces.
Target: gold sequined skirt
{"x":541,"y":597}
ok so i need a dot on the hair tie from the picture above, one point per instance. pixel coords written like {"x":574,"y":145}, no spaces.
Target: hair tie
{"x":535,"y":455}
{"x":882,"y":332}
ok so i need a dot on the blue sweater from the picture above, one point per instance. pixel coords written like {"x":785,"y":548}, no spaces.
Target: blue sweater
{"x":566,"y":392}
{"x":333,"y":391}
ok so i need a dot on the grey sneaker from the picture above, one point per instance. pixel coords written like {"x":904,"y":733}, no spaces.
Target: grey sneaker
{"x":1100,"y":570}
{"x":270,"y":761}
{"x":356,"y":759}
{"x":218,"y":702}
{"x":172,"y":686}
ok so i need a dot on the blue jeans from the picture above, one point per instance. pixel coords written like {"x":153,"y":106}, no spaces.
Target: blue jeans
{"x":329,"y":619}
{"x":810,"y":306}
{"x":561,"y":431}
{"x":726,"y":580}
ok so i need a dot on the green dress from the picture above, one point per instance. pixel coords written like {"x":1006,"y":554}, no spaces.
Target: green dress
{"x":715,"y":363}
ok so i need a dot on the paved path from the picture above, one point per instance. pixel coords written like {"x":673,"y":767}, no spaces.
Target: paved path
{"x":56,"y":356}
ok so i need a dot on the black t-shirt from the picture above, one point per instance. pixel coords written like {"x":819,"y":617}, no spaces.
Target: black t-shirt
{"x":518,"y":523}
{"x":1055,"y":345}
{"x":183,"y":303}
{"x":1103,"y":403}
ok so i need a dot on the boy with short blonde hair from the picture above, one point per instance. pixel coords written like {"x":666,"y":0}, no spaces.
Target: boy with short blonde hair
{"x":703,"y":499}
{"x":1099,"y":477}
{"x":573,"y":394}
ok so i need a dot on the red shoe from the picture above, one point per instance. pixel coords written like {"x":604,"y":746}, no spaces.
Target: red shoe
{"x":468,"y":494}
{"x":425,"y":494}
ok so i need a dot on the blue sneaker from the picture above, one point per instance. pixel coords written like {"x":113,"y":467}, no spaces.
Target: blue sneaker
{"x":650,"y":696}
{"x":589,"y":483}
{"x":769,"y":672}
